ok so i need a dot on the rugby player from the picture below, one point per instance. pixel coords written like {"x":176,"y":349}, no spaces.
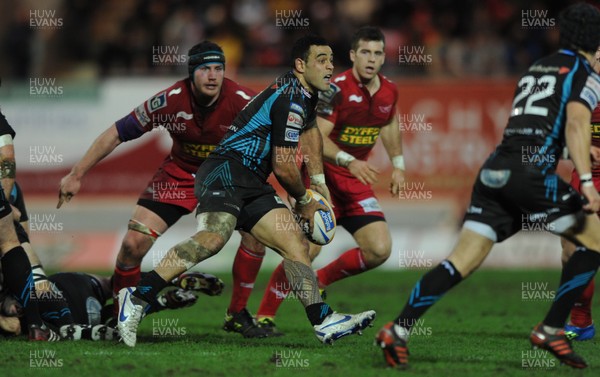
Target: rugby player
{"x":16,"y":268}
{"x":518,"y":183}
{"x":359,"y":107}
{"x":581,"y":326}
{"x":196,"y":113}
{"x":232,"y":192}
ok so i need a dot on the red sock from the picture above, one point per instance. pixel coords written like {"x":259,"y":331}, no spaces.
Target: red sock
{"x":581,"y":314}
{"x":275,"y":293}
{"x":245,"y":268}
{"x":123,"y":278}
{"x":348,"y":264}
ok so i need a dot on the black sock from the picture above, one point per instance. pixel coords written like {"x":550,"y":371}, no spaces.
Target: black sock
{"x":576,"y":274}
{"x":18,"y":278}
{"x":149,"y":287}
{"x":54,"y":308}
{"x":316,"y":313}
{"x":428,"y":291}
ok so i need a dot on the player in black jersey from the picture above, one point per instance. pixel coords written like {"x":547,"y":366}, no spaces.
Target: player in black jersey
{"x":233,"y":193}
{"x":518,"y":186}
{"x":16,"y":269}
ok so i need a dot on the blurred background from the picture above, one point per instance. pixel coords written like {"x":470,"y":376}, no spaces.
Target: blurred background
{"x":70,"y":68}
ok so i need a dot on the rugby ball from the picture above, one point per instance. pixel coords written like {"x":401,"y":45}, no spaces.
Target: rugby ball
{"x":324,"y":223}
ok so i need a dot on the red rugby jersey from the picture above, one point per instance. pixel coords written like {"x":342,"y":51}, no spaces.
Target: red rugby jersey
{"x":357,"y":116}
{"x":195,"y":130}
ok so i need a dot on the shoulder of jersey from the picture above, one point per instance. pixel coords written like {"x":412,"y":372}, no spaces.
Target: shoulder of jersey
{"x":231,"y":87}
{"x":168,"y":97}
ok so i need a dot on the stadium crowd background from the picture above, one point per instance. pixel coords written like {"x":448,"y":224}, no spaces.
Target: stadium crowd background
{"x":115,"y":37}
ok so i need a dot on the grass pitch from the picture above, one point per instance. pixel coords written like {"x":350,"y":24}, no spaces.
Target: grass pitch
{"x":480,"y":328}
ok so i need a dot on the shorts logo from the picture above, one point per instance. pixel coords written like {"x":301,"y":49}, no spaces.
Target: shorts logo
{"x":494,"y":178}
{"x":370,"y":205}
{"x":157,"y":102}
{"x":292,"y":135}
{"x":294,"y":120}
{"x":142,"y":115}
{"x":297,"y":108}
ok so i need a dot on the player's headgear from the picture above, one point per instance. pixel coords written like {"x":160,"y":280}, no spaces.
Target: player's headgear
{"x":301,"y":47}
{"x":366,"y":33}
{"x":203,"y":53}
{"x":579,"y":26}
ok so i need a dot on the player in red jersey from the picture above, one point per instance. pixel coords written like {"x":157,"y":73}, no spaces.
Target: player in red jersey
{"x":196,"y":112}
{"x":359,"y":107}
{"x":581,"y":325}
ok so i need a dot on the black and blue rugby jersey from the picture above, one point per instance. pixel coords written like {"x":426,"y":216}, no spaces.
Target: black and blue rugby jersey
{"x":275,"y":117}
{"x":537,"y":121}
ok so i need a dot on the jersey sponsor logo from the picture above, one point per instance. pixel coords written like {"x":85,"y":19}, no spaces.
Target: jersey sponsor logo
{"x":370,"y":205}
{"x":297,"y":108}
{"x":142,"y":115}
{"x":198,"y":150}
{"x":294,"y":120}
{"x":174,"y":91}
{"x":591,"y":91}
{"x":157,"y":102}
{"x":243,"y":95}
{"x":563,"y":70}
{"x":358,"y":136}
{"x":385,"y":109}
{"x":595,"y":129}
{"x":292,"y":135}
{"x":355,"y":98}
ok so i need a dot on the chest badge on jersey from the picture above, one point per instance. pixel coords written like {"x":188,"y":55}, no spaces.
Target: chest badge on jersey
{"x":357,"y":136}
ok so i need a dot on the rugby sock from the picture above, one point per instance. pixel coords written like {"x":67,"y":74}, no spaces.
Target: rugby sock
{"x":576,"y":275}
{"x":123,"y":277}
{"x":581,"y":314}
{"x":276,"y":291}
{"x":245,"y":268}
{"x":18,"y":279}
{"x":316,"y":313}
{"x":348,"y":264}
{"x":53,"y":306}
{"x":149,"y":287}
{"x":432,"y":286}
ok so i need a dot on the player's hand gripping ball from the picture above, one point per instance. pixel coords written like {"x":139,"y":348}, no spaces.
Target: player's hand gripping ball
{"x":324,"y":222}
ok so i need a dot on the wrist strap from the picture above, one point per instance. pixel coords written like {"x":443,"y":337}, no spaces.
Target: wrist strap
{"x":317,"y":179}
{"x":398,"y":162}
{"x":344,"y":159}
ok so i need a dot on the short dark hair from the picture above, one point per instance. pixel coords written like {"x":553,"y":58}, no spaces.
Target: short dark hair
{"x":301,"y":47}
{"x":579,"y":26}
{"x":367,"y":33}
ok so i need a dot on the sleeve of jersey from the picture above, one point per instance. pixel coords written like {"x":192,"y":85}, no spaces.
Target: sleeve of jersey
{"x":5,"y":128}
{"x":285,"y":124}
{"x":586,"y":89}
{"x":140,"y":120}
{"x":327,"y":107}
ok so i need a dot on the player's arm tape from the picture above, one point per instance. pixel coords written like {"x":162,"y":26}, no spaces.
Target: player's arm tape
{"x":586,"y":180}
{"x":304,"y":199}
{"x":344,"y":159}
{"x":317,"y":179}
{"x":5,"y":140}
{"x":398,"y":162}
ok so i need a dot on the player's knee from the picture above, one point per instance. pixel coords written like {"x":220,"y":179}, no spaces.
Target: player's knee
{"x":134,"y":247}
{"x":298,"y":250}
{"x":377,"y":254}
